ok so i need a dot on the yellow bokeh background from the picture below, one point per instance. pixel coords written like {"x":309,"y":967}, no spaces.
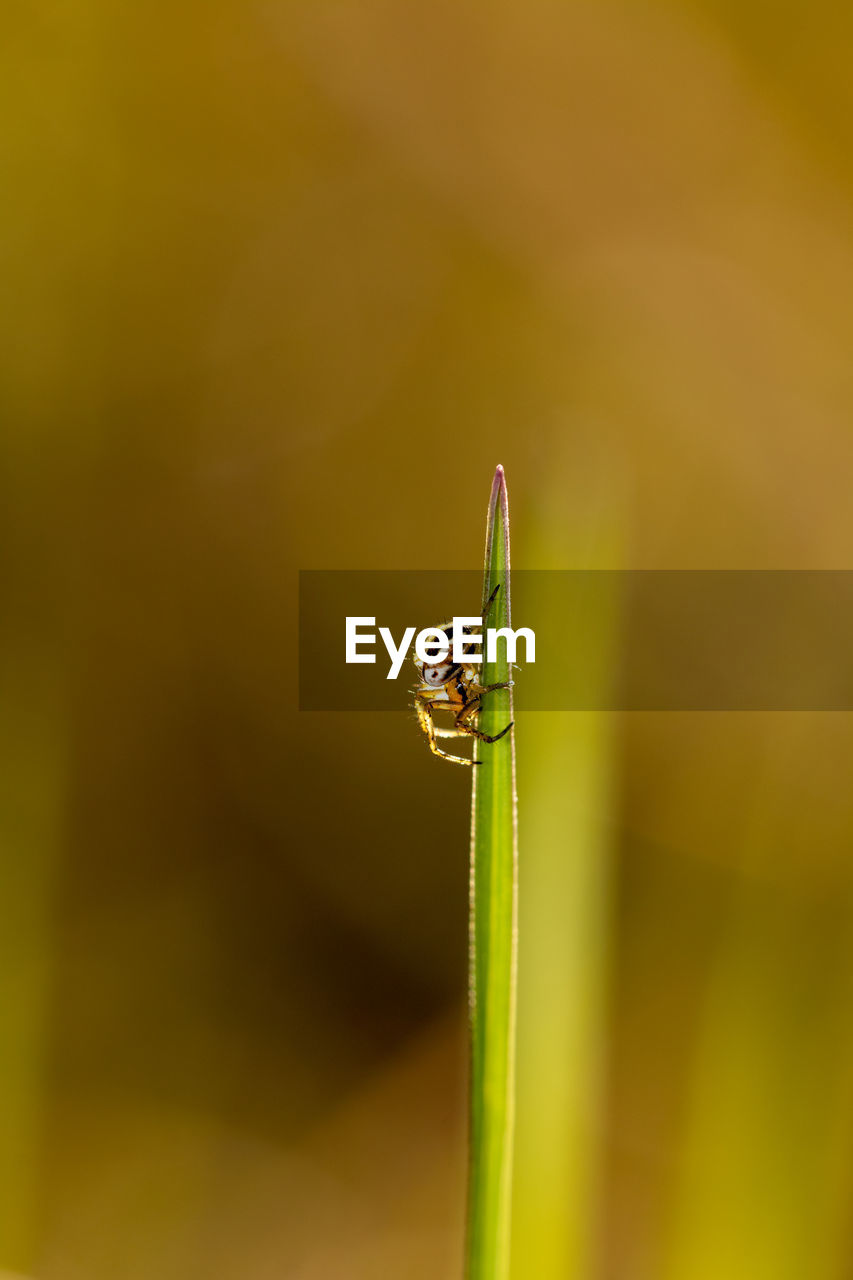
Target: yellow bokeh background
{"x":282,"y":284}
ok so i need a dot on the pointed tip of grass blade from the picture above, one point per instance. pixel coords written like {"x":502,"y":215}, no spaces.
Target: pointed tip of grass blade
{"x":498,"y":513}
{"x":498,"y":491}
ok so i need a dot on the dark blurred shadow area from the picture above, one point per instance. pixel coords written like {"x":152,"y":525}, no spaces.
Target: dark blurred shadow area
{"x":282,"y":285}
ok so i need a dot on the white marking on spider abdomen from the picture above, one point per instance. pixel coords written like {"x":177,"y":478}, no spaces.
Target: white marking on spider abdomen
{"x":436,"y":675}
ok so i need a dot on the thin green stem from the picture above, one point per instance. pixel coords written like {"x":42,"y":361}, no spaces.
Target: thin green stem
{"x":493,"y":935}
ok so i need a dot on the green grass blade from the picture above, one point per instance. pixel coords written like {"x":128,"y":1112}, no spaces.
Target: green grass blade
{"x":492,"y":937}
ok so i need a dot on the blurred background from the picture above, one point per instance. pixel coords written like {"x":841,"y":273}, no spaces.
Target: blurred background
{"x":282,"y":284}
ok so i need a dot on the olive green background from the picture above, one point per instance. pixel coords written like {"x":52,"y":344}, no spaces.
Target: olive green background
{"x":282,"y":284}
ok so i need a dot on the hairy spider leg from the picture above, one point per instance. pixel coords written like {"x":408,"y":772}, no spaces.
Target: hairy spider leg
{"x":471,"y":708}
{"x":424,"y":710}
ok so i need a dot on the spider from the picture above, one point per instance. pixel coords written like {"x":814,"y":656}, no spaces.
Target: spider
{"x":446,"y":685}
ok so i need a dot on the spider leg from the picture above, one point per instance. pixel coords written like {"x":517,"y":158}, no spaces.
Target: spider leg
{"x":474,"y":633}
{"x":494,"y":737}
{"x":425,"y":719}
{"x":470,"y":709}
{"x":487,"y":606}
